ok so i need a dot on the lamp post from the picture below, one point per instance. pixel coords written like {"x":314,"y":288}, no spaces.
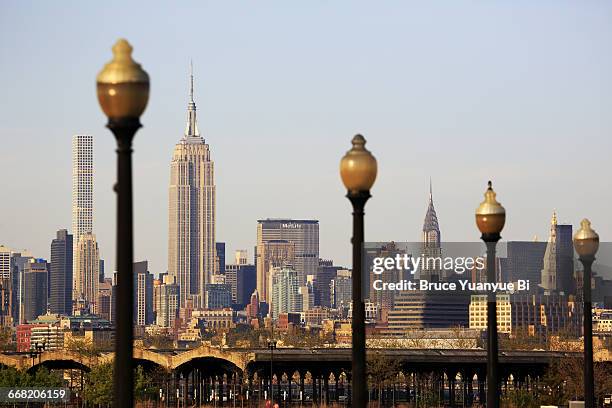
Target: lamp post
{"x":272,"y":347}
{"x":586,"y":243}
{"x":123,"y":92}
{"x":358,"y":172}
{"x":490,"y":219}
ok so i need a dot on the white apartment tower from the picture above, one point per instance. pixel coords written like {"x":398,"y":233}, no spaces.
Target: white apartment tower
{"x":191,"y":230}
{"x":82,"y":210}
{"x":82,"y":186}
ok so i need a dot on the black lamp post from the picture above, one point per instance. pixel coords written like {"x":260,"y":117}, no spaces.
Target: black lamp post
{"x":490,"y":219}
{"x":123,"y":92}
{"x":586,"y":243}
{"x":272,"y":347}
{"x":358,"y":172}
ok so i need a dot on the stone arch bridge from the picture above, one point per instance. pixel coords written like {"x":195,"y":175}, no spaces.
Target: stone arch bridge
{"x":322,"y":374}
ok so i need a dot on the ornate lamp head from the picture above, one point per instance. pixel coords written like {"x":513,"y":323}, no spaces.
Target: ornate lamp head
{"x":586,"y":240}
{"x":490,"y":215}
{"x":358,"y":167}
{"x":122,"y":85}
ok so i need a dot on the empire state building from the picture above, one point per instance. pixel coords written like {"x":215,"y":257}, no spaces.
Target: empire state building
{"x":192,"y":207}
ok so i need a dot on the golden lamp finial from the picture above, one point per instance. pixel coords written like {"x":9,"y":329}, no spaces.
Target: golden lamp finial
{"x":586,"y":240}
{"x":490,"y":215}
{"x":123,"y":86}
{"x":358,"y":167}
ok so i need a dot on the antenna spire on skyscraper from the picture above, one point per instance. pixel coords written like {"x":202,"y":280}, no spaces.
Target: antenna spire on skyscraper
{"x":191,"y":130}
{"x":191,"y":81}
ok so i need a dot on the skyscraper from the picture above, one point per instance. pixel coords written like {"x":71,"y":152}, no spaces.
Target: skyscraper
{"x":191,"y":232}
{"x":19,"y":260}
{"x":220,"y":257}
{"x":431,"y":240}
{"x":143,"y":294}
{"x":303,"y":234}
{"x":326,"y":273}
{"x":558,"y":265}
{"x":87,"y":264}
{"x":167,"y":293}
{"x":6,"y":285}
{"x":34,"y":294}
{"x":286,"y":297}
{"x":272,"y":254}
{"x":82,"y":190}
{"x":525,"y":261}
{"x":60,"y":275}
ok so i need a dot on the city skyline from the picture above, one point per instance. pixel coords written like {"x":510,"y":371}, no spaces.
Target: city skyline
{"x":420,"y":120}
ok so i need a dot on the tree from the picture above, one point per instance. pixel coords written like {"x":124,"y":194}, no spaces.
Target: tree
{"x":144,"y":388}
{"x":42,"y":377}
{"x":6,"y":339}
{"x":98,"y":387}
{"x":382,"y":371}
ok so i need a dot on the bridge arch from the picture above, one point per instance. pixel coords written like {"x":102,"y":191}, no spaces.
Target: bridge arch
{"x":226,"y":358}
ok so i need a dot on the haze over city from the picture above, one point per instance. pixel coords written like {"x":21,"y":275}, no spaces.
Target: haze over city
{"x":461,"y":94}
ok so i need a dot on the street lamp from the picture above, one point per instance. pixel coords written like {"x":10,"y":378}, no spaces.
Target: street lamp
{"x":490,"y":219}
{"x":123,"y":92}
{"x":272,"y":347}
{"x":358,"y":172}
{"x":586,"y":243}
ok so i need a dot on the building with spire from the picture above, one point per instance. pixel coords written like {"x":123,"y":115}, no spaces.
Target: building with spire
{"x":431,"y":241}
{"x":558,"y":264}
{"x":192,"y":208}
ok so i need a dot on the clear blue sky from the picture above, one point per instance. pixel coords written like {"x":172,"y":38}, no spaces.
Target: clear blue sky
{"x":519,"y":92}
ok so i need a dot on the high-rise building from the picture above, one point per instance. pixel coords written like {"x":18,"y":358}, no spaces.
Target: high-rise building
{"x":307,"y":293}
{"x":431,"y":242}
{"x":60,"y":275}
{"x":5,"y":262}
{"x":82,"y":189}
{"x":326,"y":273}
{"x":241,"y":257}
{"x":525,"y":261}
{"x":341,"y":289}
{"x":103,"y":303}
{"x":286,"y":297}
{"x":272,"y":254}
{"x":242,"y":280}
{"x":543,"y":315}
{"x":220,"y":257}
{"x":166,"y":296}
{"x":191,"y":232}
{"x":478,"y":312}
{"x":19,"y":260}
{"x":252,"y":309}
{"x":417,"y":310}
{"x":246,"y":283}
{"x":304,"y":234}
{"x":101,"y":270}
{"x":218,"y":296}
{"x":143,"y":294}
{"x":87,"y":279}
{"x":6,"y":286}
{"x":558,"y":265}
{"x":34,"y":294}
